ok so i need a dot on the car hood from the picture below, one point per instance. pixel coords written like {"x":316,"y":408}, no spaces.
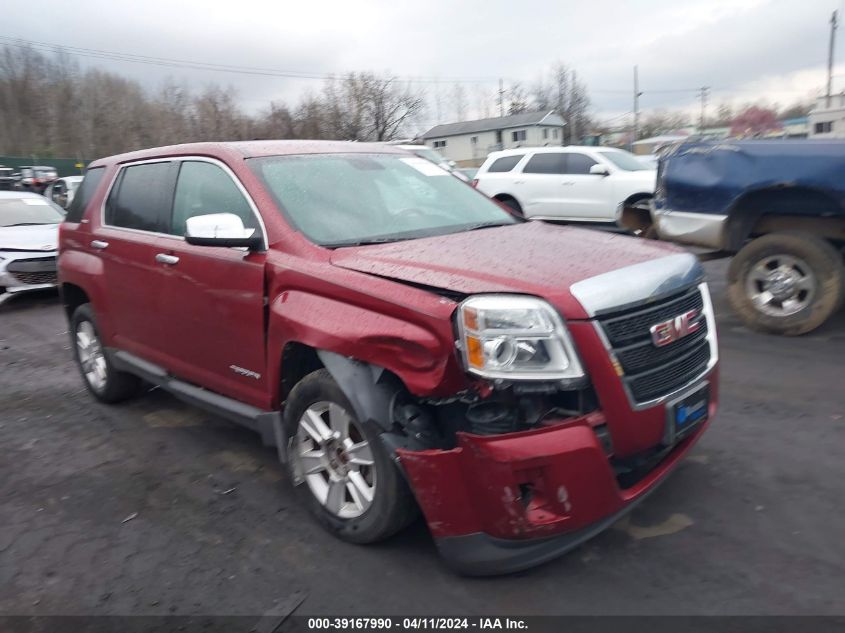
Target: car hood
{"x":646,"y":176}
{"x":42,"y":237}
{"x":531,"y":258}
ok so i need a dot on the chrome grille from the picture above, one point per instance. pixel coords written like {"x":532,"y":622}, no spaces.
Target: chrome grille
{"x":649,"y":371}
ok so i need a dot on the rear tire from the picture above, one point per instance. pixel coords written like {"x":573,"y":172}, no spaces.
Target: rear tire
{"x":339,"y":466}
{"x":786,"y":283}
{"x":106,"y":383}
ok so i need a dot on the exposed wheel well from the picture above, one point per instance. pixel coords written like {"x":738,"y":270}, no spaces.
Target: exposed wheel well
{"x":783,"y":208}
{"x":72,"y":297}
{"x":634,"y":218}
{"x":637,"y":197}
{"x":298,"y":360}
{"x":502,"y":197}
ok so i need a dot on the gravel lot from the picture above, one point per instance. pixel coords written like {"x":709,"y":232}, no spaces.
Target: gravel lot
{"x":154,"y":507}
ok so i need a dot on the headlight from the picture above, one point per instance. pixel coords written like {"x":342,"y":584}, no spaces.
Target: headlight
{"x":516,"y":338}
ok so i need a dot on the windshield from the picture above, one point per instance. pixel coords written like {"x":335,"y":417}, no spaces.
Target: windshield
{"x":347,"y":199}
{"x":623,"y":160}
{"x":28,"y":211}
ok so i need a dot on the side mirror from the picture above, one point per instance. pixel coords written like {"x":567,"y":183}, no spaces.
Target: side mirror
{"x":599,"y":170}
{"x":220,"y":229}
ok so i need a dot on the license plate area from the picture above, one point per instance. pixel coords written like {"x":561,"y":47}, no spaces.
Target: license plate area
{"x":684,"y":414}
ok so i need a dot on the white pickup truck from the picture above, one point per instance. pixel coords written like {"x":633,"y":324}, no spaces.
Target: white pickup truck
{"x":572,"y":183}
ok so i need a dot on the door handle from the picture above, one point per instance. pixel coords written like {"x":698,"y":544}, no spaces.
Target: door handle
{"x":519,"y":182}
{"x":164,"y":258}
{"x":565,"y":184}
{"x":99,"y":244}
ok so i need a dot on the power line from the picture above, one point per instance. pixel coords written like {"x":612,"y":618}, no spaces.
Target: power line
{"x":198,"y":65}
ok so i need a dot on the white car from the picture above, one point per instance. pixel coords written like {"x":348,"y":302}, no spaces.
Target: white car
{"x":423,"y":151}
{"x":62,"y":190}
{"x":29,"y":236}
{"x":572,"y":183}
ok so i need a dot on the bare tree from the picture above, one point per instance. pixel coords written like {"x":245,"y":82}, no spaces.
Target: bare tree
{"x":662,"y":122}
{"x":517,"y":98}
{"x":483,"y":101}
{"x":49,"y":107}
{"x":566,"y":95}
{"x":459,"y":101}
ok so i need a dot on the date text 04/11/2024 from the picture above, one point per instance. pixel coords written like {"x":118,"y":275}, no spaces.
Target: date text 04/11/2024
{"x":414,"y":624}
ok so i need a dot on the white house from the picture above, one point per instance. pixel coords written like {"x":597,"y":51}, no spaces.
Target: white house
{"x":828,"y":120}
{"x":468,"y":142}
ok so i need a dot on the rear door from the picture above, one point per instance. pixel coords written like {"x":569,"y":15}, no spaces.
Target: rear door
{"x":133,"y":230}
{"x":213,"y":297}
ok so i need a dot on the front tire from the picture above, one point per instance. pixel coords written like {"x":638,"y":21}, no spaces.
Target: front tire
{"x":786,"y":283}
{"x":339,"y":466}
{"x":106,"y":383}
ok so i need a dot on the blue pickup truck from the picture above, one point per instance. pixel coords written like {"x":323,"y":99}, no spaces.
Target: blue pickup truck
{"x":778,"y":207}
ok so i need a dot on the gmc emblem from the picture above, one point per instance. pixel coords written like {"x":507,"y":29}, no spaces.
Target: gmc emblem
{"x":674,"y":329}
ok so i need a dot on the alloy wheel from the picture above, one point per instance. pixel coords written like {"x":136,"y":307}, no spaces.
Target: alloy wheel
{"x":91,"y":357}
{"x":335,"y":460}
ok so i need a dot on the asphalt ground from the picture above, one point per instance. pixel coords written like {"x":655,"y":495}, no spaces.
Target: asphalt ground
{"x":154,"y":507}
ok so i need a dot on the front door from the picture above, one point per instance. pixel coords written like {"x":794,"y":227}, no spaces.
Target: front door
{"x":586,"y":196}
{"x":213,"y":297}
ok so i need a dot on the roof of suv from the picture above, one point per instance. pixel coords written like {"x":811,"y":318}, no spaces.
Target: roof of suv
{"x":547,"y":150}
{"x":253,"y":149}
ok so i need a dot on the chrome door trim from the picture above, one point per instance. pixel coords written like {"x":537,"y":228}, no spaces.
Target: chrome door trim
{"x":180,"y":158}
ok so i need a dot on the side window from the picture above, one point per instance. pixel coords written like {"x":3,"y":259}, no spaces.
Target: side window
{"x":579,"y":164}
{"x":506,"y":163}
{"x":89,"y":185}
{"x":205,"y":188}
{"x":139,"y":199}
{"x":546,"y":163}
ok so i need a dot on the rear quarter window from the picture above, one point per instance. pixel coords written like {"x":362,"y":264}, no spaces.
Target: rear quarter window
{"x":86,"y":191}
{"x":506,"y":163}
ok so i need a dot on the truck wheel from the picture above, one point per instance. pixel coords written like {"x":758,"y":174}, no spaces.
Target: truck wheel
{"x":786,"y":283}
{"x":102,"y":379}
{"x":340,"y":467}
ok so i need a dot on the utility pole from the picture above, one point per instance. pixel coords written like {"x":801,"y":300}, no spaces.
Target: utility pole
{"x":833,"y":25}
{"x":573,"y":134}
{"x":501,"y":97}
{"x":703,"y":94}
{"x":637,"y":95}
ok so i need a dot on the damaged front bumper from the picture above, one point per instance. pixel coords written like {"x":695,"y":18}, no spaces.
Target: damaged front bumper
{"x":504,"y":503}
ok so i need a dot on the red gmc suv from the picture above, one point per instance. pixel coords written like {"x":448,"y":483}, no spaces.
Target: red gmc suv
{"x":402,"y":340}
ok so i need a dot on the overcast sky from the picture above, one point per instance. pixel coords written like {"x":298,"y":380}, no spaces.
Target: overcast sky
{"x":744,"y":50}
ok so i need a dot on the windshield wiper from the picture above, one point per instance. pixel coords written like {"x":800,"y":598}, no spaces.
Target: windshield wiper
{"x":30,"y":224}
{"x":487,"y":225}
{"x":367,"y":242}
